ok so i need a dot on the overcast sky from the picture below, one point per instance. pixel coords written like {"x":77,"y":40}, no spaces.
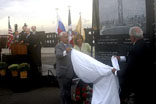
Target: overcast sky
{"x":42,"y":13}
{"x":109,"y":8}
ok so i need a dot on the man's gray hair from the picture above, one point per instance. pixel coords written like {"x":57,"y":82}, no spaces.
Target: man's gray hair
{"x":136,"y":32}
{"x":61,"y":34}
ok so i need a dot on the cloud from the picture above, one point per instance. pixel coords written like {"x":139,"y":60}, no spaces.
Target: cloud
{"x":43,"y":12}
{"x":109,"y":8}
{"x":7,"y":7}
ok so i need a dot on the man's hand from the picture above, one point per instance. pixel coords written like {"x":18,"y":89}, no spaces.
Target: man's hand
{"x":68,"y":49}
{"x":118,"y":57}
{"x":114,"y":70}
{"x":21,"y":42}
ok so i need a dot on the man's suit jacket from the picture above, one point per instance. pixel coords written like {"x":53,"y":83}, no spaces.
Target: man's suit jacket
{"x":64,"y":68}
{"x":138,"y":66}
{"x":22,"y":36}
{"x":36,"y":38}
{"x":30,"y":48}
{"x":37,"y":48}
{"x":30,"y":39}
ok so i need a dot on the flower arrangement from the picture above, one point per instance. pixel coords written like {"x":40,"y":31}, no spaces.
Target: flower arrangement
{"x":13,"y":67}
{"x":3,"y":65}
{"x":83,"y":95}
{"x":24,"y":67}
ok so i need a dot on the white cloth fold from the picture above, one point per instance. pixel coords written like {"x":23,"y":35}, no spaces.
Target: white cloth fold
{"x":105,"y":84}
{"x":87,"y":68}
{"x":115,"y":63}
{"x":122,"y":58}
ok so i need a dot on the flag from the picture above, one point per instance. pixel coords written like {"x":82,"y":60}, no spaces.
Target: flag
{"x":79,"y":28}
{"x":69,"y":22}
{"x":70,"y":29}
{"x":10,"y":38}
{"x":95,"y":15}
{"x":60,"y":26}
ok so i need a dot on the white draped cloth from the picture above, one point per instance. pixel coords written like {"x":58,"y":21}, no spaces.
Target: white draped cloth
{"x":105,"y":83}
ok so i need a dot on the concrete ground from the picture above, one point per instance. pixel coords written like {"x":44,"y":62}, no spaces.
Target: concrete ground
{"x":43,"y":95}
{"x":41,"y":91}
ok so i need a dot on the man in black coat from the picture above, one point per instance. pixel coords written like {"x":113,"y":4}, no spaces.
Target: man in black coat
{"x":16,"y":37}
{"x":31,"y":49}
{"x":0,"y":49}
{"x":136,"y":76}
{"x":37,"y":47}
{"x":22,"y":36}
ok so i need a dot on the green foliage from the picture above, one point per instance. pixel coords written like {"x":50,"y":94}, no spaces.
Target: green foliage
{"x":24,"y":67}
{"x":3,"y":65}
{"x":13,"y":67}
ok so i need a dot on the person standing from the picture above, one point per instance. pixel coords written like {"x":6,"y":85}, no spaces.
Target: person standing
{"x":16,"y":37}
{"x":83,"y":90}
{"x":30,"y":42}
{"x":138,"y":68}
{"x":64,"y":68}
{"x":37,"y":47}
{"x":0,"y":52}
{"x":81,"y":46}
{"x":23,"y":35}
{"x":0,"y":49}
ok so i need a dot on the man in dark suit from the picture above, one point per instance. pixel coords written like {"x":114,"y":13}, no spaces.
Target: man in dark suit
{"x":16,"y":37}
{"x":23,"y":35}
{"x":37,"y":47}
{"x":0,"y":49}
{"x":30,"y":42}
{"x":64,"y":68}
{"x":138,"y":68}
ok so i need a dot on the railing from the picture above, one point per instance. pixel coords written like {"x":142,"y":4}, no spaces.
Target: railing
{"x":50,"y":40}
{"x":46,"y":39}
{"x":3,"y":41}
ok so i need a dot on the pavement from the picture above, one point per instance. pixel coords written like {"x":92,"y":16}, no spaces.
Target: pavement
{"x":43,"y":95}
{"x":40,"y":91}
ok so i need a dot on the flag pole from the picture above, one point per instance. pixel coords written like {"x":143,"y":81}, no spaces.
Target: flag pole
{"x":57,"y":13}
{"x":80,"y":23}
{"x":57,"y":19}
{"x":8,"y":30}
{"x":69,"y":7}
{"x":8,"y":23}
{"x":69,"y":19}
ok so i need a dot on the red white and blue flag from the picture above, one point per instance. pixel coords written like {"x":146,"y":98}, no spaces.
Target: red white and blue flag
{"x":60,"y":27}
{"x":10,"y":38}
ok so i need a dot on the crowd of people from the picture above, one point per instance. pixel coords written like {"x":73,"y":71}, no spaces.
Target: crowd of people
{"x":64,"y":69}
{"x":31,"y":39}
{"x":133,"y":77}
{"x":132,"y":80}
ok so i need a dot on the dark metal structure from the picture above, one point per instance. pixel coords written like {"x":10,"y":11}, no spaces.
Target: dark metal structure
{"x":118,"y":44}
{"x":50,"y":40}
{"x":120,"y":11}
